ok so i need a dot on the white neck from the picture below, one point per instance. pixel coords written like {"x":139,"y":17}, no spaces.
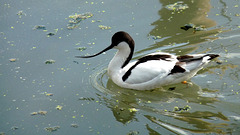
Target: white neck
{"x":115,"y":66}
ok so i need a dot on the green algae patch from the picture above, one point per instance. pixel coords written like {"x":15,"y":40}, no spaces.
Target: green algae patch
{"x":50,"y":61}
{"x":75,"y":19}
{"x":103,"y":27}
{"x":50,"y":34}
{"x":181,"y":109}
{"x":74,"y":125}
{"x":81,"y":48}
{"x":52,"y":129}
{"x":178,"y":6}
{"x":12,"y":59}
{"x":39,"y":27}
{"x":38,"y":113}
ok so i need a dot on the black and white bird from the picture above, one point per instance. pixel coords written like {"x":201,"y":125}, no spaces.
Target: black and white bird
{"x":151,"y":71}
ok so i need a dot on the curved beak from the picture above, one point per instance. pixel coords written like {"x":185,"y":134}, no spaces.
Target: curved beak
{"x":90,"y":56}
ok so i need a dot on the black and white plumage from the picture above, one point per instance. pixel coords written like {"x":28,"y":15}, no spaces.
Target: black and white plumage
{"x":151,"y":71}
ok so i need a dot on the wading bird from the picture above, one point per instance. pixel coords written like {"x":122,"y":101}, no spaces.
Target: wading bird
{"x":151,"y":71}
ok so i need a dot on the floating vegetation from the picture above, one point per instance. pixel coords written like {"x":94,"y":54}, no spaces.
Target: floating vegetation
{"x":186,"y":108}
{"x":34,"y":113}
{"x":49,"y":61}
{"x":49,"y":94}
{"x":93,"y":21}
{"x":50,"y":34}
{"x":132,"y":110}
{"x":178,"y":6}
{"x":200,"y":28}
{"x":195,"y":28}
{"x":12,"y":59}
{"x":39,"y":27}
{"x":14,"y":128}
{"x":20,"y":13}
{"x":133,"y":133}
{"x":74,"y":125}
{"x":39,"y":112}
{"x":156,"y":37}
{"x":2,"y":133}
{"x":52,"y":129}
{"x":75,"y":62}
{"x":42,"y":112}
{"x":59,"y":107}
{"x":104,"y":27}
{"x":86,"y":99}
{"x":81,"y":48}
{"x":76,"y":19}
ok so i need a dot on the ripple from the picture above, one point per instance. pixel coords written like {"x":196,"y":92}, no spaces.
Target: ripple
{"x":99,"y":79}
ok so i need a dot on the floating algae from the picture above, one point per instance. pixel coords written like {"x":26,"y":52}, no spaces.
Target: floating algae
{"x":186,"y":108}
{"x":49,"y":61}
{"x":20,"y":13}
{"x":76,"y":19}
{"x":39,"y":112}
{"x":156,"y":37}
{"x":49,"y":94}
{"x":42,"y":112}
{"x":12,"y":59}
{"x":103,"y":27}
{"x":81,"y":48}
{"x":178,"y":6}
{"x":52,"y":129}
{"x":59,"y":107}
{"x":74,"y":125}
{"x":50,"y":34}
{"x":39,"y":27}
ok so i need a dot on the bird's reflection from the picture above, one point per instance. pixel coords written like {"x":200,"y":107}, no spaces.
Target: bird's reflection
{"x":158,"y":106}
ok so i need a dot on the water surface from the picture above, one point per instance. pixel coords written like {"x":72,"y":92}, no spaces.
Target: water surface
{"x":76,"y":96}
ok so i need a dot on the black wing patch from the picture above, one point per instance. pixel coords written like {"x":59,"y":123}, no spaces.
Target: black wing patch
{"x":145,"y":59}
{"x":189,"y":58}
{"x":177,"y":69}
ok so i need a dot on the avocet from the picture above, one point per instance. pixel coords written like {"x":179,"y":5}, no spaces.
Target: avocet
{"x":151,"y":71}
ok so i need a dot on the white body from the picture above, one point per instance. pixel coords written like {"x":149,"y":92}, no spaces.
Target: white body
{"x":151,"y":74}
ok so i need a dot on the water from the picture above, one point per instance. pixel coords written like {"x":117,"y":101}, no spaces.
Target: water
{"x":76,"y":94}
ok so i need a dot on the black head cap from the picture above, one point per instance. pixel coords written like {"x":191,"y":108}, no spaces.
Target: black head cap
{"x":122,"y":36}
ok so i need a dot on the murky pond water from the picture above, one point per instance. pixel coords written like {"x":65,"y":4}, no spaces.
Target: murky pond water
{"x":44,"y":89}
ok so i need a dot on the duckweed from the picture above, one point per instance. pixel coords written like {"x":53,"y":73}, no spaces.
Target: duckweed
{"x":177,"y":6}
{"x":39,"y":27}
{"x":76,"y":19}
{"x":12,"y":59}
{"x":52,"y":129}
{"x":81,"y":48}
{"x":50,"y":61}
{"x":74,"y":125}
{"x":103,"y":27}
{"x":132,"y":110}
{"x":59,"y":107}
{"x":186,"y":108}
